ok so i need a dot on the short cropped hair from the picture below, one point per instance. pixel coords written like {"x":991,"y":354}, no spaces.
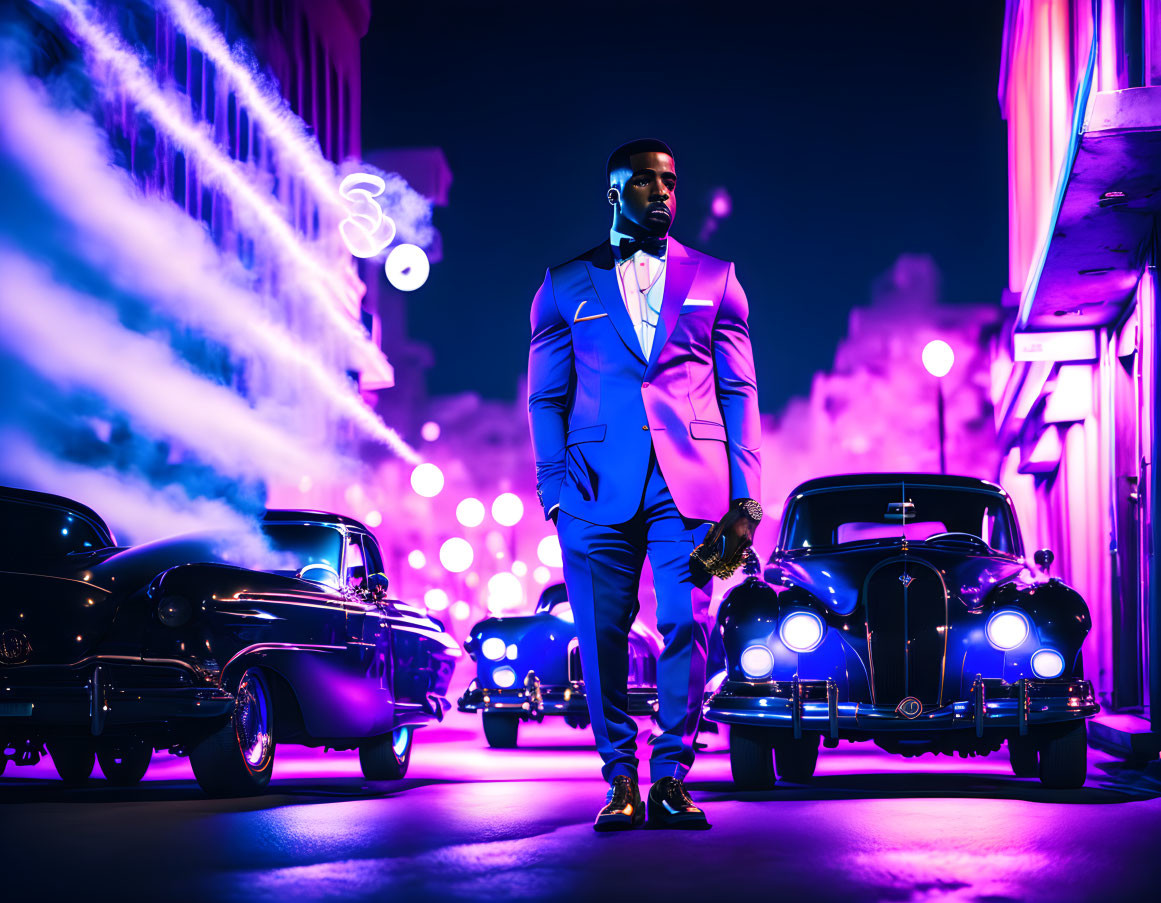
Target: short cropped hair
{"x":619,"y":159}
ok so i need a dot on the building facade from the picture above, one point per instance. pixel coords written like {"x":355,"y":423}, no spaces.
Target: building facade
{"x":1074,"y":379}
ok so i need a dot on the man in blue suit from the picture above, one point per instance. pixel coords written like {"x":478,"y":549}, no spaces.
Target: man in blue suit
{"x":644,"y":416}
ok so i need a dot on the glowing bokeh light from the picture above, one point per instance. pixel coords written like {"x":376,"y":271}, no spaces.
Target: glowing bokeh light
{"x":541,"y":575}
{"x":429,"y":431}
{"x":456,"y":555}
{"x":938,"y":358}
{"x":505,"y":592}
{"x":720,"y":206}
{"x":436,"y":599}
{"x":470,"y":512}
{"x":427,"y":480}
{"x":407,"y":267}
{"x":373,"y":519}
{"x":460,"y":610}
{"x":519,"y":568}
{"x":549,"y":552}
{"x":305,"y":484}
{"x":416,"y":559}
{"x":507,"y":509}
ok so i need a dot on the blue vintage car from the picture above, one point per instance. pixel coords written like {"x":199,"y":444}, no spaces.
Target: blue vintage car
{"x":212,"y":645}
{"x":899,"y":608}
{"x":529,"y":666}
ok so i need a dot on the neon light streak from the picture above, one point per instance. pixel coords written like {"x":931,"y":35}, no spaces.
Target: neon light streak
{"x":214,"y":165}
{"x":281,"y":125}
{"x":136,"y":232}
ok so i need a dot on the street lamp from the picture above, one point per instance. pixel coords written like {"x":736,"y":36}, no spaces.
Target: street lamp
{"x":938,"y":359}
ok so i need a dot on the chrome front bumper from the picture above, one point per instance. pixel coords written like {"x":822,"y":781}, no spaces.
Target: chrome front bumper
{"x":533,"y":701}
{"x":814,"y":705}
{"x":99,"y":696}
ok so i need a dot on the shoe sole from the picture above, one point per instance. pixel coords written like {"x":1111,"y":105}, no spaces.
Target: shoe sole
{"x":677,"y":822}
{"x":619,"y":823}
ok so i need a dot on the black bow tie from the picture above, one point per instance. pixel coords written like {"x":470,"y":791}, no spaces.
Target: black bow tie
{"x":650,"y":245}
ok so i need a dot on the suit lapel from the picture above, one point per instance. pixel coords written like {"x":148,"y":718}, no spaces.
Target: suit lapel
{"x":604,"y":279}
{"x":680,"y":269}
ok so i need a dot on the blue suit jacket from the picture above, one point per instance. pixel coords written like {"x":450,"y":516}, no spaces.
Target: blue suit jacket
{"x":596,"y":405}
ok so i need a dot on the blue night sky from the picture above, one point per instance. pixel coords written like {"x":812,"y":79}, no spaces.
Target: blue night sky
{"x":846,"y":133}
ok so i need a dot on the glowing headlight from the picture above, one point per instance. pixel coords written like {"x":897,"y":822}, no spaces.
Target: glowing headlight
{"x":757,"y":662}
{"x":801,"y":631}
{"x":504,"y":676}
{"x":1007,"y":629}
{"x":174,"y":611}
{"x":512,"y":651}
{"x":1047,"y":663}
{"x":494,"y":648}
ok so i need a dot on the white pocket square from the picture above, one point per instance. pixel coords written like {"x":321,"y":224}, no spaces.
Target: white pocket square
{"x":697,"y":302}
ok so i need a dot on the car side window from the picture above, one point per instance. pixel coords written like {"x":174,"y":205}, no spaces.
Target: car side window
{"x":356,"y":567}
{"x":371,"y":556}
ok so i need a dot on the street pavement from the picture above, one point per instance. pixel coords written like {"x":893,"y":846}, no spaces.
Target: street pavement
{"x":471,"y":823}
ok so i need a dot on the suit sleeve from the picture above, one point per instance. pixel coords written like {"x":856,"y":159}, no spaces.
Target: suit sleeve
{"x":737,"y":391}
{"x":550,"y":368}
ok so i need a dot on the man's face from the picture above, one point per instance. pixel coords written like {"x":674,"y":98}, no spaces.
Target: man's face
{"x":649,"y":195}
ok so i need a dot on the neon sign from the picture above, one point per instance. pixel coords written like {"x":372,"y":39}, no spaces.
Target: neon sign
{"x":367,"y":231}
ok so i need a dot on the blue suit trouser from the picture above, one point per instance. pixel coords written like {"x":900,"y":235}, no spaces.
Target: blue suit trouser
{"x":602,"y":571}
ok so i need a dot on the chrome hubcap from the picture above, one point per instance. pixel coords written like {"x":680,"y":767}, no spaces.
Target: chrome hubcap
{"x":252,"y":722}
{"x":400,"y":740}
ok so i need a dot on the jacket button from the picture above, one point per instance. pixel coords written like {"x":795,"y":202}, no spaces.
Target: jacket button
{"x":645,"y":427}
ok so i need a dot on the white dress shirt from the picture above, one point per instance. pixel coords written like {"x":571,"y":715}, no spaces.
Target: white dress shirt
{"x":642,"y":282}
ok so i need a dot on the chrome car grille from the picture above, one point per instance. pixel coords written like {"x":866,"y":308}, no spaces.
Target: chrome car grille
{"x":906,"y":606}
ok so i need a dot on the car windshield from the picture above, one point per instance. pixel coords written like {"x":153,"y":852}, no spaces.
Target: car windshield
{"x":916,"y":512}
{"x":298,"y":545}
{"x":33,"y":535}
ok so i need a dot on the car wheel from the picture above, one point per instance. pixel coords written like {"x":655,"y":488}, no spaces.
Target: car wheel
{"x":1064,"y":755}
{"x":751,"y":757}
{"x":386,"y":757}
{"x":796,"y":759}
{"x":125,"y":762}
{"x":238,"y":758}
{"x":501,"y":731}
{"x":1024,"y":756}
{"x":73,"y":760}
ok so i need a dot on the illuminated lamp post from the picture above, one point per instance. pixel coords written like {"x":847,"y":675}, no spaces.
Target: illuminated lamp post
{"x":938,"y":359}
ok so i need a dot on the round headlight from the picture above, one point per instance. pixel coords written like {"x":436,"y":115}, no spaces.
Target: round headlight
{"x":494,"y":648}
{"x":801,"y":631}
{"x":1047,"y":663}
{"x":757,"y":662}
{"x":504,"y":676}
{"x":174,"y":611}
{"x":512,"y":651}
{"x":1007,"y":629}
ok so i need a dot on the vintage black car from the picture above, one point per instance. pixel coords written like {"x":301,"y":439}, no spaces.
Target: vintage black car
{"x":899,"y":608}
{"x":217,"y":646}
{"x":529,"y":666}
